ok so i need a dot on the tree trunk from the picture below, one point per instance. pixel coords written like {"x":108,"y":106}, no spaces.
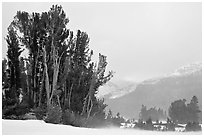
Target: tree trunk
{"x":90,"y":109}
{"x":47,"y":86}
{"x":55,"y":76}
{"x":58,"y":101}
{"x":69,"y":96}
{"x":41,"y":88}
{"x":35,"y":80}
{"x":88,"y":103}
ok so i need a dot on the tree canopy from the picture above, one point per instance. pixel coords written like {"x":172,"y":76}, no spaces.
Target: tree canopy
{"x":181,"y":112}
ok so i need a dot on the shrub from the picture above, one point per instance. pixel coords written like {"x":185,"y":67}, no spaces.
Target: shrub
{"x":40,"y":112}
{"x":79,"y":121}
{"x":54,"y":115}
{"x":17,"y":111}
{"x":68,"y":117}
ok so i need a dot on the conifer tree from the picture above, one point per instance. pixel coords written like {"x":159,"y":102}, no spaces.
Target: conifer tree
{"x":193,"y":110}
{"x":13,"y":54}
{"x":180,"y":112}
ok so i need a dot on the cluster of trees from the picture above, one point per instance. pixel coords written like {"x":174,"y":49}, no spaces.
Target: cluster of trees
{"x":153,"y":113}
{"x":180,"y":112}
{"x":58,"y":74}
{"x":114,"y":120}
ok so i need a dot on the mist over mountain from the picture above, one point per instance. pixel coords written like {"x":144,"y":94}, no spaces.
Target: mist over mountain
{"x":183,"y":83}
{"x":116,"y":89}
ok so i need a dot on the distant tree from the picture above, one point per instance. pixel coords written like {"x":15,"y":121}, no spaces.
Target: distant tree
{"x":182,"y":113}
{"x":118,"y":115}
{"x":109,"y":115}
{"x":177,"y":111}
{"x":149,"y":125}
{"x":193,"y":110}
{"x":149,"y":121}
{"x":143,"y":113}
{"x":153,"y":113}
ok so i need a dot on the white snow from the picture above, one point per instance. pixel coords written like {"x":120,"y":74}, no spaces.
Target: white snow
{"x":187,"y":69}
{"x":116,"y":89}
{"x":37,"y":127}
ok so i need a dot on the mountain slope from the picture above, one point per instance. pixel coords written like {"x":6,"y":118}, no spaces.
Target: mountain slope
{"x":161,"y":92}
{"x":116,"y":89}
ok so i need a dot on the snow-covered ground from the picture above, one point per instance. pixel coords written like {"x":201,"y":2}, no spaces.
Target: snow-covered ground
{"x":37,"y":127}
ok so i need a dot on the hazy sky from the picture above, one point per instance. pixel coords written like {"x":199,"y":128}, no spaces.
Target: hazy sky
{"x":141,"y":40}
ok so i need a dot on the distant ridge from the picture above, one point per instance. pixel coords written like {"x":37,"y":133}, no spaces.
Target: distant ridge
{"x":184,"y":82}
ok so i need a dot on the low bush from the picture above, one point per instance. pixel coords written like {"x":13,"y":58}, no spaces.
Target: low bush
{"x":40,"y":112}
{"x":54,"y":115}
{"x":68,"y":117}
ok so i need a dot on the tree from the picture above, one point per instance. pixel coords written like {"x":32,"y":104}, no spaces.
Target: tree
{"x":177,"y":111}
{"x":55,"y":21}
{"x":193,"y":110}
{"x":153,"y":113}
{"x":13,"y":54}
{"x":109,"y":115}
{"x":148,"y":124}
{"x":44,"y":36}
{"x":143,"y":113}
{"x":182,"y":113}
{"x":30,"y":26}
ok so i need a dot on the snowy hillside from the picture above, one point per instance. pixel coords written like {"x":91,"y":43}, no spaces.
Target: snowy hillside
{"x":186,"y":70}
{"x":115,"y":89}
{"x":37,"y":127}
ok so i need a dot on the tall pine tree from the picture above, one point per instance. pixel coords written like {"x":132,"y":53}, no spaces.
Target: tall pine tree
{"x":13,"y":54}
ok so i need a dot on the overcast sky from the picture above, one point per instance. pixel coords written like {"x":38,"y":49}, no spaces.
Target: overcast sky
{"x":141,"y":40}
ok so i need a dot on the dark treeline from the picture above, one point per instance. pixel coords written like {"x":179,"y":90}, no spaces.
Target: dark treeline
{"x":180,"y":112}
{"x":58,"y":77}
{"x":153,"y":113}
